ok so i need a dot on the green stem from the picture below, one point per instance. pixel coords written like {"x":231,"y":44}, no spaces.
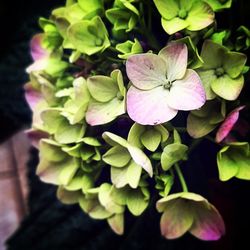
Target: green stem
{"x":181,"y":177}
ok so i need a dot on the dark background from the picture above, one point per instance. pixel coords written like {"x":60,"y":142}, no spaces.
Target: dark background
{"x":52,"y":225}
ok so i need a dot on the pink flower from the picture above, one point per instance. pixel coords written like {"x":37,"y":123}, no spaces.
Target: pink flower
{"x":162,"y":85}
{"x":228,"y":124}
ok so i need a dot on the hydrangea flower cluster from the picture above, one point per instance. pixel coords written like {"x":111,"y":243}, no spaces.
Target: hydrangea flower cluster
{"x":106,"y":88}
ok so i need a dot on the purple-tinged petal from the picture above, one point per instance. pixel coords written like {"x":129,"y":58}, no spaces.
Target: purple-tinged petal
{"x":187,"y":93}
{"x":37,"y":51}
{"x":32,"y":96}
{"x":208,"y":223}
{"x":176,"y":220}
{"x":146,"y":71}
{"x":175,"y":55}
{"x":228,"y":124}
{"x":149,"y":107}
{"x":35,"y":136}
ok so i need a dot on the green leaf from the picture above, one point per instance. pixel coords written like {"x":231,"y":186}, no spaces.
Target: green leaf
{"x":87,"y":182}
{"x":151,"y":139}
{"x":117,"y":156}
{"x":173,"y":153}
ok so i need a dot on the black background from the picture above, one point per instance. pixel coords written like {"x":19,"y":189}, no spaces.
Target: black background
{"x":52,"y":225}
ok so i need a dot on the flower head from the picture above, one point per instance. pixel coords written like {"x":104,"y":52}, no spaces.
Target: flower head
{"x":162,"y":85}
{"x":189,"y":212}
{"x":178,"y":15}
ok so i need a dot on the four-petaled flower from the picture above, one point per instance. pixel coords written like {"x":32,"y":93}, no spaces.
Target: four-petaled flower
{"x":162,"y":85}
{"x":189,"y":212}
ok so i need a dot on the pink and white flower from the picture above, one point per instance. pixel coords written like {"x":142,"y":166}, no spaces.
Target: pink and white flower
{"x":162,"y":85}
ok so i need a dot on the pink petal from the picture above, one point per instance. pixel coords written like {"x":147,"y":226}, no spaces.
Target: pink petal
{"x":228,"y":124}
{"x":32,"y":96}
{"x":146,"y":71}
{"x":35,"y":136}
{"x":37,"y":51}
{"x":187,"y":93}
{"x":149,"y":107}
{"x":175,"y":55}
{"x":208,"y":223}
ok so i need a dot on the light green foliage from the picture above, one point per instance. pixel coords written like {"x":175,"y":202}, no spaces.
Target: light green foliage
{"x":234,"y":161}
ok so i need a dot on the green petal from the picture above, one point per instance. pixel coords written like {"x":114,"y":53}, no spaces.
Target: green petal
{"x":167,"y":8}
{"x":172,"y":224}
{"x":134,"y":136}
{"x":234,"y":160}
{"x":151,"y":139}
{"x":228,"y":88}
{"x":67,"y":197}
{"x":68,"y":172}
{"x":234,"y":63}
{"x":133,"y":174}
{"x":200,"y":16}
{"x":67,"y":133}
{"x":89,"y":37}
{"x":212,"y":54}
{"x":207,"y":77}
{"x":198,"y":127}
{"x":102,"y":88}
{"x":218,"y":5}
{"x":173,"y":153}
{"x":116,"y":222}
{"x":174,"y":25}
{"x":118,"y":176}
{"x":113,"y":139}
{"x":136,"y":202}
{"x":99,"y":113}
{"x":117,"y":156}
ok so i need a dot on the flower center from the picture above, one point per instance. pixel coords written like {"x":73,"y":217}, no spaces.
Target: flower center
{"x":167,"y":85}
{"x":98,"y":42}
{"x":219,"y":72}
{"x":119,"y":96}
{"x":182,"y":14}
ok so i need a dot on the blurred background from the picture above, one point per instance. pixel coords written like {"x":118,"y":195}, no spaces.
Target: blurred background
{"x":31,"y":218}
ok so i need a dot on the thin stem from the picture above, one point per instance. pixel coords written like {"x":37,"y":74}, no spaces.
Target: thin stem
{"x":210,"y":138}
{"x":181,"y":177}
